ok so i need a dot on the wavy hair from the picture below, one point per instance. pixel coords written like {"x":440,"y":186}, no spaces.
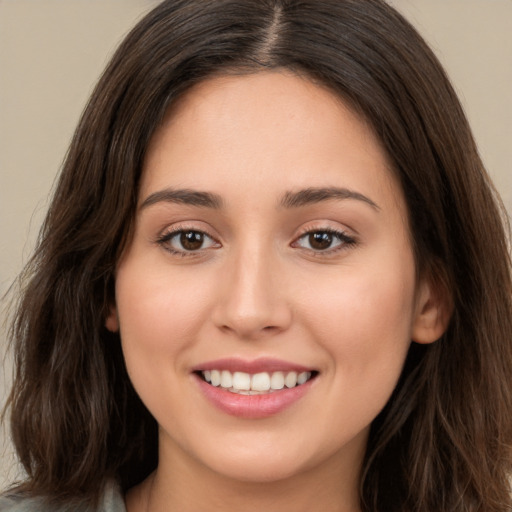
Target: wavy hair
{"x":443,"y":440}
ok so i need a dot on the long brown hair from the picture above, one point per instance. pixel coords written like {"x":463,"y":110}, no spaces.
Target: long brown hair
{"x":443,"y":441}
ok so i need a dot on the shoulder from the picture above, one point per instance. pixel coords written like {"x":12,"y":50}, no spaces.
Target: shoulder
{"x":112,"y":501}
{"x":16,"y":503}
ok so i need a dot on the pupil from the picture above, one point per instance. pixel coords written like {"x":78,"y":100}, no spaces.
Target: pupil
{"x":191,"y":240}
{"x":320,"y":241}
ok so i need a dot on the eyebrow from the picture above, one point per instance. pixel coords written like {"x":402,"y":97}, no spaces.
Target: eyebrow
{"x":316,"y":195}
{"x":297,"y":199}
{"x":184,"y":196}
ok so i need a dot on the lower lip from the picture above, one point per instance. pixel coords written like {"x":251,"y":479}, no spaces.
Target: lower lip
{"x":253,"y":406}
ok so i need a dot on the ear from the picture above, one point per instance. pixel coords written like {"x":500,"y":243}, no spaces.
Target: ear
{"x":112,"y":320}
{"x":434,"y":308}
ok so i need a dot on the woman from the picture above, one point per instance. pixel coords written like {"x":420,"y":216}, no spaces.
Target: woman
{"x":273,"y":275}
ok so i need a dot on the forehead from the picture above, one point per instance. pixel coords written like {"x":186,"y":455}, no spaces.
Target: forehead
{"x":267,"y":128}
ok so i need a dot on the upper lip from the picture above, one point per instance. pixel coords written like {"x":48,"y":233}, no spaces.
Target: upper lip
{"x":263,"y":364}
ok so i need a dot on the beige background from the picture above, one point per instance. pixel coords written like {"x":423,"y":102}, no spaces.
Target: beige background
{"x":52,"y":52}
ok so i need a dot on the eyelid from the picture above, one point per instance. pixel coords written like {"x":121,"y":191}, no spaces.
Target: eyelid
{"x":344,"y":236}
{"x":346,"y":240}
{"x":168,"y":233}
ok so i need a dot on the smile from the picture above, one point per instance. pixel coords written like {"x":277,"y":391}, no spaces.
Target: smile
{"x":255,"y":384}
{"x":253,"y":389}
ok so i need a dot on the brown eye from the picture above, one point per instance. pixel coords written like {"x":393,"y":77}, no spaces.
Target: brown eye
{"x":320,"y":240}
{"x":328,"y":241}
{"x":191,"y":240}
{"x":187,"y":241}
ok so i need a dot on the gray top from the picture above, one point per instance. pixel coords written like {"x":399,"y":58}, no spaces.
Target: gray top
{"x":111,"y":501}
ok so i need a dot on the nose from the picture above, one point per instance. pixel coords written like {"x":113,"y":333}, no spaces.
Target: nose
{"x":253,"y":296}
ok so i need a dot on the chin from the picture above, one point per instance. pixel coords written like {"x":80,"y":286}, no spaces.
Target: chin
{"x":256,"y":470}
{"x":265,"y":461}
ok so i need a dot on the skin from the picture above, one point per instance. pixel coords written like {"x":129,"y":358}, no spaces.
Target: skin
{"x":258,"y":288}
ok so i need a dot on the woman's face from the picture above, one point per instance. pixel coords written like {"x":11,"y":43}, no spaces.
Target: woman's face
{"x":271,"y":248}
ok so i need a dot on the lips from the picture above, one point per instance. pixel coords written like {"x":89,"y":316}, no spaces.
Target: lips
{"x":253,"y":389}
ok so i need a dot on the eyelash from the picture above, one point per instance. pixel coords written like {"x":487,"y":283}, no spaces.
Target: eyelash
{"x":345,"y":241}
{"x":165,"y":241}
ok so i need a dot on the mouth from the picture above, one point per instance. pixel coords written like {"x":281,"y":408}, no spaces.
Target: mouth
{"x":254,"y":389}
{"x":261,"y":383}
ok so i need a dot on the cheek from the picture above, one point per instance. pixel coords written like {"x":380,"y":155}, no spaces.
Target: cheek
{"x":363,"y":320}
{"x":157,"y":306}
{"x":159,"y":314}
{"x":363,"y":304}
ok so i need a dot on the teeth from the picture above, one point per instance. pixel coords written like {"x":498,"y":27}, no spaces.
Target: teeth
{"x":303,"y":377}
{"x":241,"y":381}
{"x":226,"y":379}
{"x":260,"y":382}
{"x":291,"y":380}
{"x":247,"y":384}
{"x":215,"y":376}
{"x":277,"y":380}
